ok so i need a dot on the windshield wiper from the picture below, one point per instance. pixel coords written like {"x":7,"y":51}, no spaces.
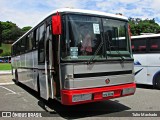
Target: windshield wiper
{"x":110,"y":46}
{"x":97,"y":50}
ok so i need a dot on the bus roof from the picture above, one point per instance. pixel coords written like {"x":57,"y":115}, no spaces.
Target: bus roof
{"x":72,"y":10}
{"x":145,"y":36}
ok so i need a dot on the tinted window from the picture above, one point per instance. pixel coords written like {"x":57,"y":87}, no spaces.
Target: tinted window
{"x":18,"y":47}
{"x":41,"y":55}
{"x":27,"y":43}
{"x":154,"y":44}
{"x":34,"y":39}
{"x":30,"y":40}
{"x":37,"y":36}
{"x":139,"y":45}
{"x":23,"y":43}
{"x":13,"y":50}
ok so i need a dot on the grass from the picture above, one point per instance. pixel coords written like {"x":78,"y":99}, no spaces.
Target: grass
{"x":5,"y":66}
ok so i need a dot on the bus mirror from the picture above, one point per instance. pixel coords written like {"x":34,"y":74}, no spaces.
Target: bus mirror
{"x":56,"y":24}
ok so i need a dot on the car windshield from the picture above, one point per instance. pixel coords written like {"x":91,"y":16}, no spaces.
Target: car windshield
{"x":86,"y":35}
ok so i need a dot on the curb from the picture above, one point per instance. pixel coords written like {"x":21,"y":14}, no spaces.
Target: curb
{"x":5,"y":72}
{"x":9,"y":83}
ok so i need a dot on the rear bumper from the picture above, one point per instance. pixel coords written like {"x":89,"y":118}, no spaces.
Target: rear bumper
{"x":67,"y":95}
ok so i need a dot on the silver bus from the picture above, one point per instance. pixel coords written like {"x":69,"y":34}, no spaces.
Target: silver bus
{"x":146,"y":52}
{"x":75,"y":56}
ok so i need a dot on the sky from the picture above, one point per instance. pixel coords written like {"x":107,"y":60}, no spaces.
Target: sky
{"x":29,"y":12}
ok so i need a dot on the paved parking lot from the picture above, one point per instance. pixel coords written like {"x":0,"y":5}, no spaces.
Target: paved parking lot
{"x":6,"y":78}
{"x":20,"y":98}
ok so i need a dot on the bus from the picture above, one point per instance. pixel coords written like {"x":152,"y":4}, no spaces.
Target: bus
{"x":5,"y":59}
{"x":146,"y":52}
{"x":75,"y":56}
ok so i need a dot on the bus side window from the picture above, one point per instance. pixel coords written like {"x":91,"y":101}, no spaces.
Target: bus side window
{"x":36,"y":37}
{"x":47,"y":44}
{"x":139,"y":46}
{"x":13,"y":50}
{"x":27,"y":43}
{"x":18,"y":47}
{"x":23,"y":45}
{"x":41,"y":56}
{"x":154,"y":44}
{"x":30,"y":46}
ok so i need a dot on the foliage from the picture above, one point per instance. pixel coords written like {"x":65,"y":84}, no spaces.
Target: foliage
{"x":25,"y":29}
{"x":11,"y":32}
{"x":5,"y":54}
{"x":6,"y":49}
{"x":139,"y":26}
{"x":7,"y":25}
{"x":0,"y":34}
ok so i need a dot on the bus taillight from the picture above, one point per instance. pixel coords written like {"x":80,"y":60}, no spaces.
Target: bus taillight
{"x":56,"y":24}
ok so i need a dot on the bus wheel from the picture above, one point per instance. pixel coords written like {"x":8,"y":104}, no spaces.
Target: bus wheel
{"x":156,"y":82}
{"x":16,"y":77}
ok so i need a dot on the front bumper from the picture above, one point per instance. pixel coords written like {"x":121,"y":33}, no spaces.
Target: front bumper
{"x":97,"y":93}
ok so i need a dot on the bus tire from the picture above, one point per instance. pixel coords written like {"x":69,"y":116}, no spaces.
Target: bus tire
{"x":16,"y":77}
{"x":156,"y":81}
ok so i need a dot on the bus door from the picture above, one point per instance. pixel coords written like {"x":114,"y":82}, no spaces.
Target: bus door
{"x":45,"y":62}
{"x":49,"y":61}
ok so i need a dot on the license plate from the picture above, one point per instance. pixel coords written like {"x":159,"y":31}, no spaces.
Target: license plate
{"x":107,"y":94}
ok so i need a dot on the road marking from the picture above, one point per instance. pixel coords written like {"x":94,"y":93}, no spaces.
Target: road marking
{"x":8,"y":89}
{"x":9,"y":83}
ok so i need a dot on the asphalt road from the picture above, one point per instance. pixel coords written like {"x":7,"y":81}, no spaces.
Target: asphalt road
{"x":21,"y":98}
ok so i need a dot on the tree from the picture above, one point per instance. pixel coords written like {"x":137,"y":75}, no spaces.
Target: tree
{"x":10,"y":35}
{"x":7,"y":25}
{"x":0,"y":33}
{"x":25,"y":29}
{"x":11,"y":32}
{"x":139,"y":26}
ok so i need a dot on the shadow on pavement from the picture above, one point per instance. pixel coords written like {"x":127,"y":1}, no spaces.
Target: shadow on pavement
{"x":144,"y":86}
{"x":109,"y":108}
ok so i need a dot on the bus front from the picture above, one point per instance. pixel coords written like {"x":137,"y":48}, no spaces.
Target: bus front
{"x":96,"y":62}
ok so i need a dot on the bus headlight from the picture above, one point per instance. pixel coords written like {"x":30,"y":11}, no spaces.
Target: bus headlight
{"x":81,"y":97}
{"x":128,"y":91}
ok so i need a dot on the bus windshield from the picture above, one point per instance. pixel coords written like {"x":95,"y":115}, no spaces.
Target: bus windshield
{"x":87,"y":35}
{"x":116,"y":37}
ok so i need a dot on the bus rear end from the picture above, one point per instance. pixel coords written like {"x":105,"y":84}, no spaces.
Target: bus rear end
{"x":96,"y":61}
